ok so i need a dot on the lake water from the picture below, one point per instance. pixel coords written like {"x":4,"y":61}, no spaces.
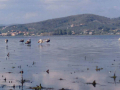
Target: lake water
{"x":71,"y":60}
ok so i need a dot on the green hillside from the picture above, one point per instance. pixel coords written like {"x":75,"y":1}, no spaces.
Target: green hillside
{"x":76,"y":24}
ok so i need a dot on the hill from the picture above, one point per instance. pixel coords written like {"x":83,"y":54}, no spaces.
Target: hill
{"x":76,"y":24}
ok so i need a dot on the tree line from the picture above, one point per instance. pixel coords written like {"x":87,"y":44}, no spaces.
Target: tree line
{"x":62,"y":32}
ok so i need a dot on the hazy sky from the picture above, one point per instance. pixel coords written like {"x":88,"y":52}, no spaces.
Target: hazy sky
{"x":27,"y":11}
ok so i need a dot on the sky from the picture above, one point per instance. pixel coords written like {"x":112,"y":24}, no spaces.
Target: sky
{"x":28,"y":11}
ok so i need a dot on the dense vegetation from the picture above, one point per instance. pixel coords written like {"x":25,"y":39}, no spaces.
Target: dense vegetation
{"x":76,"y":24}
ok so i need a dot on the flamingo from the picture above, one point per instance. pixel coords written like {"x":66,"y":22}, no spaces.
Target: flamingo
{"x":28,"y":41}
{"x":41,"y":41}
{"x":6,"y":40}
{"x":22,"y":40}
{"x":47,"y":40}
{"x":119,"y":39}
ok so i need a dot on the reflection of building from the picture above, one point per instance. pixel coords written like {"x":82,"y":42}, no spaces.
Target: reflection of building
{"x":72,"y":25}
{"x":86,"y":32}
{"x":4,"y":34}
{"x":118,"y":33}
{"x":13,"y":34}
{"x":26,"y":33}
{"x":81,"y":24}
{"x":73,"y":32}
{"x":91,"y":33}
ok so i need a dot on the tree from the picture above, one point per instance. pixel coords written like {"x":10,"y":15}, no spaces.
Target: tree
{"x":69,"y":32}
{"x":64,"y":32}
{"x":60,"y":32}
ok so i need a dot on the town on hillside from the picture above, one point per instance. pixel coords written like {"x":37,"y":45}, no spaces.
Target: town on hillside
{"x":84,"y":24}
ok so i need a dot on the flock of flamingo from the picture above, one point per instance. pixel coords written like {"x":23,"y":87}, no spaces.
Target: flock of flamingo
{"x":23,"y":80}
{"x":29,"y":41}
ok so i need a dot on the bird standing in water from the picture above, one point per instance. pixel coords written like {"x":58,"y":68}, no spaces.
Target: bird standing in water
{"x":22,"y":40}
{"x":41,"y":41}
{"x":6,"y":40}
{"x":28,"y":41}
{"x":47,"y":40}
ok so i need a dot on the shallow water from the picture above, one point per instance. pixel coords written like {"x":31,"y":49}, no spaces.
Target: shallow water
{"x":71,"y":58}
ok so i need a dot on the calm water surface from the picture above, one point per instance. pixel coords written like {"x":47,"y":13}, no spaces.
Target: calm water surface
{"x":71,"y":58}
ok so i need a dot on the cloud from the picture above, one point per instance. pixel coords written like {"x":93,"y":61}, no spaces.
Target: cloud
{"x":62,"y":8}
{"x":2,"y":6}
{"x":30,"y":15}
{"x":39,"y":10}
{"x":116,"y":7}
{"x":66,"y":6}
{"x":72,"y":7}
{"x":3,"y":0}
{"x":53,"y":80}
